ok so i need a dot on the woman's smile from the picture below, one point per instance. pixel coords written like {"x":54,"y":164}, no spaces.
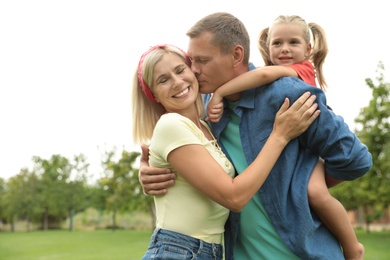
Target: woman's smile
{"x":182,"y":93}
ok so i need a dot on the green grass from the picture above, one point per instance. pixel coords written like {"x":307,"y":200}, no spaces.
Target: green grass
{"x":121,"y":244}
{"x":376,"y":244}
{"x":76,"y":245}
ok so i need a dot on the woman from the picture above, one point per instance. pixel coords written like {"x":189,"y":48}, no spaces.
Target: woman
{"x":168,"y":112}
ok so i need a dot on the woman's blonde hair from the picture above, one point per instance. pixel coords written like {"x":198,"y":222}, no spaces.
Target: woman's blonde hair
{"x":319,"y":43}
{"x":146,"y":112}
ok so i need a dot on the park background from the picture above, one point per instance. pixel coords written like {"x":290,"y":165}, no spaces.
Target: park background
{"x":66,"y":65}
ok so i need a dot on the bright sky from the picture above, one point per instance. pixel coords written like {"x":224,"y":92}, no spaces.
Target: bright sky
{"x":66,"y":66}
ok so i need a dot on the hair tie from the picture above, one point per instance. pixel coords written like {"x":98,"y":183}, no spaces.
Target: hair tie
{"x":144,"y":86}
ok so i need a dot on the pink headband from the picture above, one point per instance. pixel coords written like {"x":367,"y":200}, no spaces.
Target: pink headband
{"x":144,"y":86}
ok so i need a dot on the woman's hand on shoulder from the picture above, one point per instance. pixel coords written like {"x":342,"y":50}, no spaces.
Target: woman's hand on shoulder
{"x":292,"y":121}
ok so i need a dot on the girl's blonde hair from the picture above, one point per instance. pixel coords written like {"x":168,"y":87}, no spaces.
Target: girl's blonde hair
{"x":319,"y":43}
{"x":145,"y":112}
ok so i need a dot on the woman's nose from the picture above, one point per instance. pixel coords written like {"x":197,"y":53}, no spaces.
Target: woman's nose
{"x":177,"y":81}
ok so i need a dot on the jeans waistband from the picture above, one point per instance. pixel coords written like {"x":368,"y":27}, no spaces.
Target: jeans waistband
{"x":195,"y":243}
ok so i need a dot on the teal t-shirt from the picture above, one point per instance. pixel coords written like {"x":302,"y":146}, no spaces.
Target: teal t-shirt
{"x":257,"y":238}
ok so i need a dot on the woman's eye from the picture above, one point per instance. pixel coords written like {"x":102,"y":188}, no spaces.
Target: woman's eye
{"x":162,"y":81}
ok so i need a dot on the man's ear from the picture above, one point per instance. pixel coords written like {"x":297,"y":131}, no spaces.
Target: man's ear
{"x":238,"y":54}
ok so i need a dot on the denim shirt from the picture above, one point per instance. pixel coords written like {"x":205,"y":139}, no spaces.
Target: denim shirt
{"x":284,"y":194}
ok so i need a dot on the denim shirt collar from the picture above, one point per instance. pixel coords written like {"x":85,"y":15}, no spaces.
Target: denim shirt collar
{"x":247,"y":99}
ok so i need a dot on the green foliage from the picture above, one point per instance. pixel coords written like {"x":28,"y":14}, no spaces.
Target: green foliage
{"x":58,"y":188}
{"x":371,"y":192}
{"x":3,"y":214}
{"x":118,"y":186}
{"x":22,"y":191}
{"x":54,"y":190}
{"x":54,"y":175}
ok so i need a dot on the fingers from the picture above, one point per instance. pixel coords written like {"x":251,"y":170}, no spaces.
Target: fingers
{"x":304,"y":107}
{"x":305,"y":100}
{"x":291,"y":121}
{"x":284,"y":106}
{"x":154,"y":181}
{"x":144,"y":154}
{"x":157,"y":184}
{"x":312,"y":116}
{"x":218,"y":106}
{"x":310,"y":109}
{"x":309,"y":104}
{"x":215,"y":114}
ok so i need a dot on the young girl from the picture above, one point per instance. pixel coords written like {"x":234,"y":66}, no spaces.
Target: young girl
{"x":167,"y":111}
{"x":286,"y":45}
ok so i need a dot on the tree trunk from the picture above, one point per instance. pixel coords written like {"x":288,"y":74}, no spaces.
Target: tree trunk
{"x":71,"y":219}
{"x":114,"y":220}
{"x":12,"y":226}
{"x":360,"y":216}
{"x":28,"y":224}
{"x":46,"y":219}
{"x":367,"y":218}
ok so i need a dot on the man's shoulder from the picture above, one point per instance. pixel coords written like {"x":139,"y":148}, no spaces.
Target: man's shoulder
{"x":276,"y":91}
{"x":288,"y":84}
{"x":290,"y":79}
{"x":284,"y":84}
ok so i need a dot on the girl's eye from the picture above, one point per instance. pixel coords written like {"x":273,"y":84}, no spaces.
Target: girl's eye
{"x":295,"y":42}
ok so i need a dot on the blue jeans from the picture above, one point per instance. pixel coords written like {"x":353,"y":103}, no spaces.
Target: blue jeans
{"x":171,"y":245}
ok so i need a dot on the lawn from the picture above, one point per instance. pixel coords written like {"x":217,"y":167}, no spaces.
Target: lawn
{"x":76,"y":245}
{"x":376,"y":244}
{"x":121,"y":244}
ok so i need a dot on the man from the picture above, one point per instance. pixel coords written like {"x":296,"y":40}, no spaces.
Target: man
{"x":277,"y":223}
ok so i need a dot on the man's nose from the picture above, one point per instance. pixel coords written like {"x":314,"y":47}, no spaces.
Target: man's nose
{"x":195,"y":68}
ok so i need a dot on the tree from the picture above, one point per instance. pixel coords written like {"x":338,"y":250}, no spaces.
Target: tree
{"x":3,"y":215}
{"x":54,"y":174}
{"x":139,"y":201}
{"x":75,"y":189}
{"x":21,"y":197}
{"x":118,"y":183}
{"x":371,"y":192}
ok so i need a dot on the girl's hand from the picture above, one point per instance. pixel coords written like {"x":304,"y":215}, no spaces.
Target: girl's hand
{"x":215,"y":108}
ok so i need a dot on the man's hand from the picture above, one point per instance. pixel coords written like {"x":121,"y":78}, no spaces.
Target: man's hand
{"x":154,"y":181}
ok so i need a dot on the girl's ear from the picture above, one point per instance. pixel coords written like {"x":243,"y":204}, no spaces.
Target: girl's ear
{"x":308,"y":50}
